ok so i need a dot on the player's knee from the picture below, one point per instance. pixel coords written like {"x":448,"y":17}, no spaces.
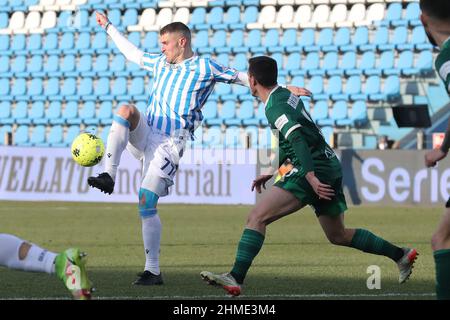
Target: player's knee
{"x":147,"y":203}
{"x":256,"y":218}
{"x":337,"y":239}
{"x":126,"y":111}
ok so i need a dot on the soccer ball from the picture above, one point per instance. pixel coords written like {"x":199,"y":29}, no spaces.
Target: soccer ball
{"x":87,"y":149}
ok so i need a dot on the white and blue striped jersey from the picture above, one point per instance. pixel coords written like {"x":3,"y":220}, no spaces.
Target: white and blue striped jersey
{"x":179,"y":91}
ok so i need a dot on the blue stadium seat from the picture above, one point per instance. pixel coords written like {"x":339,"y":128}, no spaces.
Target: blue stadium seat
{"x":358,"y":114}
{"x":325,"y":40}
{"x":198,"y":19}
{"x":4,"y":45}
{"x":34,"y":44}
{"x":385,"y":64}
{"x":360,"y":38}
{"x":70,"y":113}
{"x":348,"y":64}
{"x":405,"y":64}
{"x":372,"y":88}
{"x":298,"y":81}
{"x":400,"y":39}
{"x":38,"y":136}
{"x":245,"y":111}
{"x":223,"y":59}
{"x":51,"y":66}
{"x":85,"y":89}
{"x":309,"y":64}
{"x":306,"y":39}
{"x":67,"y":42}
{"x":4,"y":20}
{"x":327,"y":132}
{"x":104,"y":134}
{"x":64,"y":21}
{"x":84,"y":65}
{"x":53,"y":113}
{"x":392,"y":88}
{"x":81,"y":20}
{"x":232,"y":137}
{"x":213,"y":137}
{"x":19,"y":89}
{"x":232,"y":19}
{"x":105,"y":113}
{"x":150,"y":42}
{"x":119,"y":89}
{"x":35,"y":89}
{"x":293,"y":63}
{"x":20,"y":113}
{"x":83,"y":43}
{"x":140,"y":105}
{"x":251,"y":14}
{"x":201,"y":41}
{"x":130,"y":18}
{"x":209,"y":112}
{"x":339,"y":114}
{"x":320,"y":111}
{"x":51,"y":43}
{"x":5,"y":89}
{"x":68,"y":64}
{"x":289,"y":40}
{"x":19,"y":64}
{"x":218,"y":43}
{"x":240,"y":62}
{"x":87,"y":113}
{"x":72,"y":132}
{"x":253,"y":41}
{"x":99,"y":43}
{"x":271,"y":41}
{"x":51,"y":89}
{"x":381,"y":38}
{"x":330,"y":64}
{"x":5,"y":114}
{"x":412,"y":14}
{"x":261,"y":114}
{"x":18,"y":44}
{"x":35,"y":65}
{"x":236,"y":41}
{"x":55,"y":136}
{"x":367,"y":61}
{"x":334,"y":88}
{"x":424,"y":63}
{"x":228,"y":113}
{"x":101,"y":65}
{"x":4,"y":66}
{"x":137,"y":89}
{"x":21,"y":136}
{"x":69,"y":88}
{"x":102,"y":89}
{"x":215,"y":19}
{"x":341,"y":39}
{"x":353,"y":88}
{"x":419,"y":39}
{"x":393,"y":13}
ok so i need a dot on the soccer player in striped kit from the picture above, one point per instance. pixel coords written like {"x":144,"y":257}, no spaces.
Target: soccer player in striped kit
{"x":436,"y":20}
{"x":182,"y":83}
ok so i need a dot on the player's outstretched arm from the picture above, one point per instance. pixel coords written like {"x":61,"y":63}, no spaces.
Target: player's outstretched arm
{"x":128,"y":49}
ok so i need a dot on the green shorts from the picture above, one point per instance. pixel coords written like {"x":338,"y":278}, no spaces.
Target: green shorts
{"x":303,"y":191}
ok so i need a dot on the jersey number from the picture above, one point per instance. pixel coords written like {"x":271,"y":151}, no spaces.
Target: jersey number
{"x":169,"y":168}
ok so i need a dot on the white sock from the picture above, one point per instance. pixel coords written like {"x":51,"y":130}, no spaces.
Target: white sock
{"x":151,"y":234}
{"x":117,"y":141}
{"x":37,"y":259}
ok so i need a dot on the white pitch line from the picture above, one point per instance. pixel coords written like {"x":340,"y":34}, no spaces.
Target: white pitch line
{"x":321,"y":295}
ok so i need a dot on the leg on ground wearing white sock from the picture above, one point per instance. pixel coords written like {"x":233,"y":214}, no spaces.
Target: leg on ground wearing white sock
{"x":151,"y":234}
{"x":16,"y":253}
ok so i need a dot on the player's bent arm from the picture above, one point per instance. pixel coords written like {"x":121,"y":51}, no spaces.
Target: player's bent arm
{"x":128,"y":49}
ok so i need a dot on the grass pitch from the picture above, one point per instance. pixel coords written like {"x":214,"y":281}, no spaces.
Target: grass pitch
{"x":296,"y":261}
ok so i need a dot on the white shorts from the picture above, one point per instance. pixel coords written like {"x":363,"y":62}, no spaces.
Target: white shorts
{"x":159,"y":153}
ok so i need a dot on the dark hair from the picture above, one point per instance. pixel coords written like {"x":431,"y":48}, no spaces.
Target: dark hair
{"x":264,"y":69}
{"x":439,"y":9}
{"x":176,"y":27}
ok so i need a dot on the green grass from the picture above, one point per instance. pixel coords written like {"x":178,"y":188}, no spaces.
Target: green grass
{"x":296,"y":261}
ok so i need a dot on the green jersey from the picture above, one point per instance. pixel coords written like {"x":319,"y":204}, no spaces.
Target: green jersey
{"x":286,"y":113}
{"x":443,"y":64}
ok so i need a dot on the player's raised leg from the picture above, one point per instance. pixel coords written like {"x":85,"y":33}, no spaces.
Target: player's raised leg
{"x":276,"y":204}
{"x":126,"y":120}
{"x":440,"y":243}
{"x":69,"y":266}
{"x":366,"y":241}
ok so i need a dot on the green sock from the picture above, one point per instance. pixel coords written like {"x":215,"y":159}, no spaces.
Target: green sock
{"x":249,"y":246}
{"x":368,"y":242}
{"x":442,"y":261}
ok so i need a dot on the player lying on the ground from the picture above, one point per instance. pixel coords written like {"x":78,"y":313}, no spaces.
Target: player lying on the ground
{"x":182,"y":83}
{"x":69,"y":265}
{"x":316,"y":180}
{"x":436,"y":20}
